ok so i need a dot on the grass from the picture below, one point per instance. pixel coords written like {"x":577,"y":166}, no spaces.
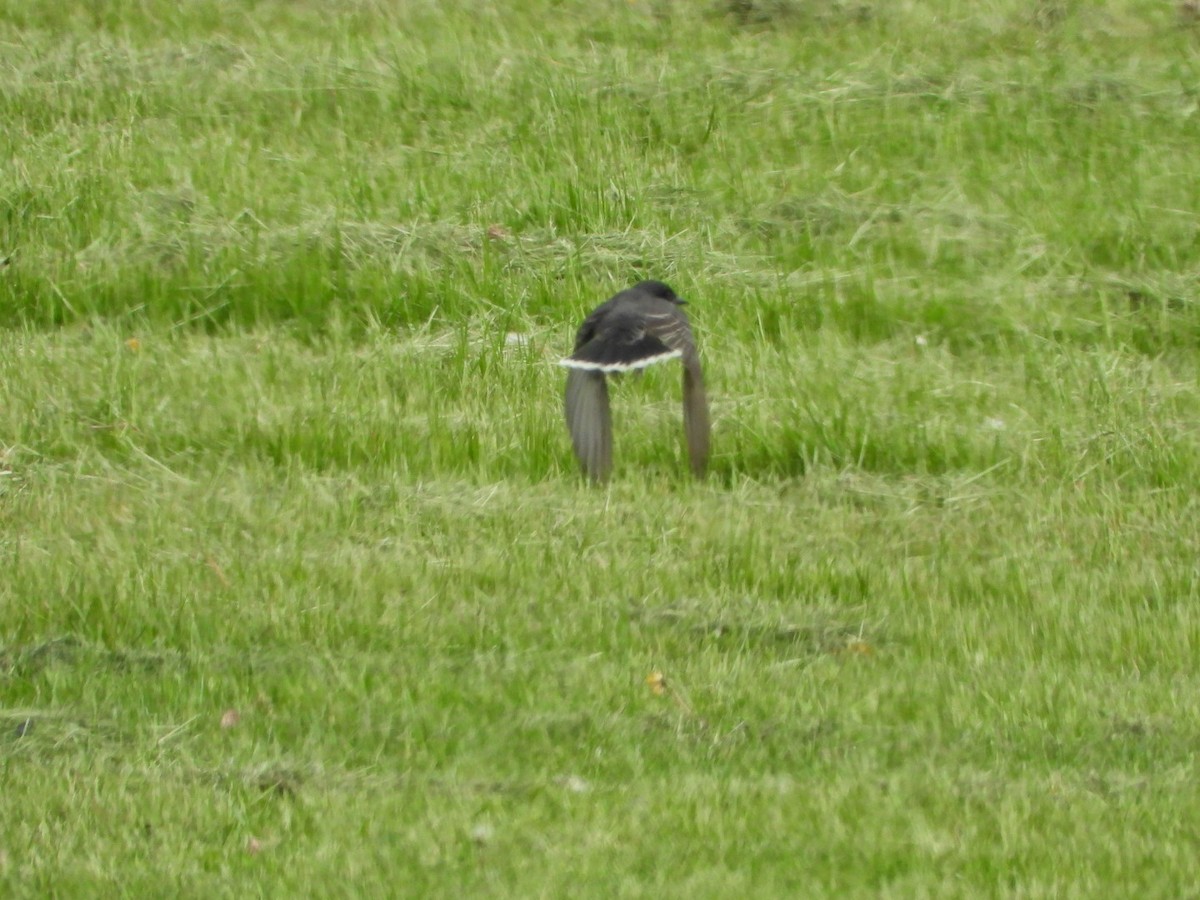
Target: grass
{"x":303,"y":592}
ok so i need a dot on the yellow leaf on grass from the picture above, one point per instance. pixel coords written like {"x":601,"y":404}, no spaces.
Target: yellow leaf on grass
{"x":860,"y":647}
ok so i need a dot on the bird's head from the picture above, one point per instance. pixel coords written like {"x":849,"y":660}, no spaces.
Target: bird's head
{"x":660,"y":290}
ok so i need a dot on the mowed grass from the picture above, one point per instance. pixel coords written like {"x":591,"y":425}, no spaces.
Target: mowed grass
{"x":301,"y":592}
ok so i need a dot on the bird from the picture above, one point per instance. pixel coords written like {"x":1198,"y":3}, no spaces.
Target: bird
{"x":636,"y":328}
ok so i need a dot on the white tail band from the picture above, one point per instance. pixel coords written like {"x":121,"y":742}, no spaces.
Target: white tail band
{"x":619,"y":367}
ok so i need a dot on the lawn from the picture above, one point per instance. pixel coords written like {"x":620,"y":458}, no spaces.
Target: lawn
{"x":302,"y":593}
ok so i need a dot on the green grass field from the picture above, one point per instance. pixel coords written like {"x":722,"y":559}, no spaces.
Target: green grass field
{"x":301,"y":593}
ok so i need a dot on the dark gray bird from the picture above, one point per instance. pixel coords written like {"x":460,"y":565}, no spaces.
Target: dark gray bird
{"x":636,"y":328}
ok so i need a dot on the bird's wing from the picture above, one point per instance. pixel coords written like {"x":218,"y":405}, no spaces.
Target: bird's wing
{"x":590,"y":421}
{"x":696,"y":426}
{"x":669,"y":324}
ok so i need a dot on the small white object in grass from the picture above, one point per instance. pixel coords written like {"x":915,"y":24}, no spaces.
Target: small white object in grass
{"x":994,"y":424}
{"x":516,"y":339}
{"x":482,"y":833}
{"x":576,"y":785}
{"x":921,"y":341}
